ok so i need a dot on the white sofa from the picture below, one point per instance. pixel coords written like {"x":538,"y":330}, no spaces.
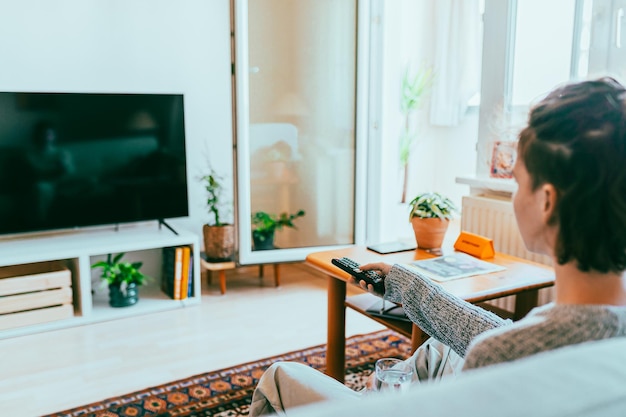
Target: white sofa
{"x":585,"y":380}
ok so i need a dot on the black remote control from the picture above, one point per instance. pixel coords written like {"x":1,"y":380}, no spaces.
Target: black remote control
{"x":370,"y":277}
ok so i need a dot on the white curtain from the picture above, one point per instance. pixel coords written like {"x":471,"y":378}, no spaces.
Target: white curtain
{"x":457,"y":61}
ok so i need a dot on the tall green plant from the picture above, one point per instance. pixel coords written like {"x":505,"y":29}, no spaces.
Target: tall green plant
{"x":215,"y":202}
{"x":413,"y":89}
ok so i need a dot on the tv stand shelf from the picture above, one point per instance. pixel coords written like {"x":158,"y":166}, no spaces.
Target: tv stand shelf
{"x":77,"y":251}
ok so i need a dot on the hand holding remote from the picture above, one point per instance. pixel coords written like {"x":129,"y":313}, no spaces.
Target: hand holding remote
{"x":381,"y":267}
{"x":370,"y":277}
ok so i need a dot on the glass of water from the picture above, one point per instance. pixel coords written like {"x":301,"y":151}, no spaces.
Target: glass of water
{"x":392,"y":374}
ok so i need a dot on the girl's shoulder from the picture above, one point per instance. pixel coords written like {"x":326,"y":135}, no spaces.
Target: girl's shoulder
{"x":546,"y":328}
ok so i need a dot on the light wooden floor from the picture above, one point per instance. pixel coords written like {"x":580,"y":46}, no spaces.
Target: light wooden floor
{"x":58,"y":370}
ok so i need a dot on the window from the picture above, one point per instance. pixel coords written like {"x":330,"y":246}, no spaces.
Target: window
{"x":530,"y":47}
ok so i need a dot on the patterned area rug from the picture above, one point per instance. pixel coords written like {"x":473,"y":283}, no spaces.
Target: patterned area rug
{"x":228,"y":392}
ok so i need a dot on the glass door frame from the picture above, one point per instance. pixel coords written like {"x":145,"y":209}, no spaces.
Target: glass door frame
{"x":241,"y":138}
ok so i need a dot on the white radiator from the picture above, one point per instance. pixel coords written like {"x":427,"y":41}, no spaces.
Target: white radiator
{"x":493,"y":217}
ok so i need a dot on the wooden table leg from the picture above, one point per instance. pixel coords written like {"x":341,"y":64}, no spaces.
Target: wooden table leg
{"x":223,"y":282}
{"x":336,"y":340}
{"x":276,"y":275}
{"x":524,"y":302}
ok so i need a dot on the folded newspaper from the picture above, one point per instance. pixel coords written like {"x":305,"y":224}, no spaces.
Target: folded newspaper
{"x":454,"y":266}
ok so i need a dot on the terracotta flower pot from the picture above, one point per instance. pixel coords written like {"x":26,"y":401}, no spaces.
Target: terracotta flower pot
{"x":219,"y":242}
{"x":429,"y":233}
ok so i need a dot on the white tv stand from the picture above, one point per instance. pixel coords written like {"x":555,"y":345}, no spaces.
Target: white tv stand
{"x":79,"y":250}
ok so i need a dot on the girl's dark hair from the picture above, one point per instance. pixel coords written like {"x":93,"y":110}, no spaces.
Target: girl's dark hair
{"x":576,"y":141}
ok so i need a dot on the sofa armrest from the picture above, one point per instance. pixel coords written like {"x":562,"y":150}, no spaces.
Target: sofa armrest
{"x":583,"y":380}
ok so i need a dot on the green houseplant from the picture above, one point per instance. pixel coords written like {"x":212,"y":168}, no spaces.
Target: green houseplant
{"x":264,"y":225}
{"x":430,"y":215}
{"x":412,"y":92}
{"x":219,"y":235}
{"x":123,"y":279}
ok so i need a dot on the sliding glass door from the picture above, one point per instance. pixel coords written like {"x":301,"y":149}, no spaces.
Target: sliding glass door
{"x":297,"y":102}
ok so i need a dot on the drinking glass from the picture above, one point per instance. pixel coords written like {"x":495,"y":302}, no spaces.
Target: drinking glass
{"x":392,"y":374}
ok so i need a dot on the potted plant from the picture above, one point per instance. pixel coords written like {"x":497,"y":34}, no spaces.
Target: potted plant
{"x":264,"y":225}
{"x":123,"y":279}
{"x":219,"y":236}
{"x":430,"y":216}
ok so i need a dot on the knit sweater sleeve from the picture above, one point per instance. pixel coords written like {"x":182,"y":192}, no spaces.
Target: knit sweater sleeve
{"x":442,"y":315}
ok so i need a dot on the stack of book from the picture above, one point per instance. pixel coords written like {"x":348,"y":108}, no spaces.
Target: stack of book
{"x":177,"y":275}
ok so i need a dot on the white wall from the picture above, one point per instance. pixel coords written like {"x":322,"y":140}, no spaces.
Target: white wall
{"x":135,"y":46}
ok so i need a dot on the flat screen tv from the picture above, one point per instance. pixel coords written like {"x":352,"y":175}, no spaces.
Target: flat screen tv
{"x":72,"y":160}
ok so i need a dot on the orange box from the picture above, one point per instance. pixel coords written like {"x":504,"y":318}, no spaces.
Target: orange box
{"x":475,"y":245}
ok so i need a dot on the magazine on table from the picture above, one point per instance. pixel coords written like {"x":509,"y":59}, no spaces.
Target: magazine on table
{"x":454,"y":266}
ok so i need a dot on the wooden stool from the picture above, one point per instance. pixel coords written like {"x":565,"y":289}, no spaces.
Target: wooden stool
{"x":222,"y":267}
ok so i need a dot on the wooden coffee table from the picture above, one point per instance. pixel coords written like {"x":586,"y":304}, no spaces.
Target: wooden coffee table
{"x":521,"y":278}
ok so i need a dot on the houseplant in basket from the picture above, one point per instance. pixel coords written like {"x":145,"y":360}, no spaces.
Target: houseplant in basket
{"x":123,"y":279}
{"x":219,"y":235}
{"x":264,"y":225}
{"x":430,"y":216}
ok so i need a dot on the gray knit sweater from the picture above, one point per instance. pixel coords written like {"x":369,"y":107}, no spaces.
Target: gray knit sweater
{"x":484,"y":338}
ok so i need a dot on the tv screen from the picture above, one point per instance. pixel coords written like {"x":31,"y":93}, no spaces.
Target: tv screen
{"x":76,"y":159}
